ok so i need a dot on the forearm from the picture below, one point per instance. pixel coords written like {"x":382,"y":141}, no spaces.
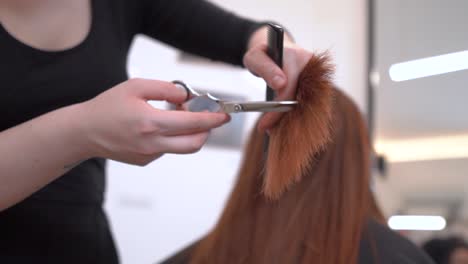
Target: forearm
{"x":199,"y":27}
{"x":38,"y":151}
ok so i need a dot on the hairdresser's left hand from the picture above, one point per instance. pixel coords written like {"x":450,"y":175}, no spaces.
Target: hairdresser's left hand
{"x":283,"y":81}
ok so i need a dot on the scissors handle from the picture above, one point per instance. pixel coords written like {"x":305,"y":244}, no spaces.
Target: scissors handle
{"x":189,"y":90}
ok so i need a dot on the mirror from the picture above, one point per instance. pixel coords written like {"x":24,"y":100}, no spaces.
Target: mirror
{"x":418,"y":77}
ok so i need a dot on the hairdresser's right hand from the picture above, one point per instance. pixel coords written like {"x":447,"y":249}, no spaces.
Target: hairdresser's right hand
{"x":122,"y":126}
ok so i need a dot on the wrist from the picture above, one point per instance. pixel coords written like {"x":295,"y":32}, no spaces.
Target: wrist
{"x":80,"y":133}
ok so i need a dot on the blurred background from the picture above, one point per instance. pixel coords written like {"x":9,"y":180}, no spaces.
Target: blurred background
{"x":417,"y":56}
{"x":401,"y":61}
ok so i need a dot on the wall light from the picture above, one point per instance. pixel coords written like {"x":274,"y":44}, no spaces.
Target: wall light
{"x":416,"y":222}
{"x":429,"y":66}
{"x":423,"y":148}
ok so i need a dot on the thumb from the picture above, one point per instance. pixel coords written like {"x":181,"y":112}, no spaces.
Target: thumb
{"x":158,"y":90}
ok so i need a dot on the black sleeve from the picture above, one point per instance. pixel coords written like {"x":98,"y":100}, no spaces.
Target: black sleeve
{"x":198,"y":27}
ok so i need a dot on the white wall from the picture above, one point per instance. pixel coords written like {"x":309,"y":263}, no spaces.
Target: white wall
{"x":158,"y":209}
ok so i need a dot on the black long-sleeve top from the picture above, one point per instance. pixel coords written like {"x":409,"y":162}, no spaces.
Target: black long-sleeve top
{"x":34,"y":82}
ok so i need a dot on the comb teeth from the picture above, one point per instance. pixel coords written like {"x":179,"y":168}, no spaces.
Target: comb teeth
{"x":271,"y":44}
{"x":271,"y":36}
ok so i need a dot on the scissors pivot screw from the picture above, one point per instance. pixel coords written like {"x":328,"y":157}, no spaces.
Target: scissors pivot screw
{"x":237,"y":108}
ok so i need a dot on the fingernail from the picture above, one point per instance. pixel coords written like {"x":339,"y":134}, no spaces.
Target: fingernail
{"x":226,"y":118}
{"x":268,"y":131}
{"x":278,"y":80}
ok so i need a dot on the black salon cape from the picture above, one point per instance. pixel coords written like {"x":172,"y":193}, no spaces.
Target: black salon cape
{"x":379,"y":245}
{"x":64,"y":222}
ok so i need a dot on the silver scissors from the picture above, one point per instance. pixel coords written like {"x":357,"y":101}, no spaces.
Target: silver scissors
{"x":197,"y":102}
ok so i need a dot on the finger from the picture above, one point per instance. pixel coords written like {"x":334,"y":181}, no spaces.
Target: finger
{"x":136,"y":158}
{"x":184,"y":144}
{"x":181,"y":107}
{"x":158,"y":90}
{"x":198,"y":130}
{"x":268,"y":121}
{"x":189,"y":131}
{"x":173,"y":123}
{"x":257,"y":61}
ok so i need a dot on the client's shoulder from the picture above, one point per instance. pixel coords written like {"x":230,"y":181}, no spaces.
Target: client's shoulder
{"x":381,"y":245}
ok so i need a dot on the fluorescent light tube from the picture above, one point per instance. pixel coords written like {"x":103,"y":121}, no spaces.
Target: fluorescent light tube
{"x":429,"y":66}
{"x":423,"y":148}
{"x":416,"y":222}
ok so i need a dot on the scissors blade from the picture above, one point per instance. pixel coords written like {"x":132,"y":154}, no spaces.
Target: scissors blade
{"x":259,"y":106}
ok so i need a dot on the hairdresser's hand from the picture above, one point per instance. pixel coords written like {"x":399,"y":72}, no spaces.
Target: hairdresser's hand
{"x":283,"y":81}
{"x":122,"y":126}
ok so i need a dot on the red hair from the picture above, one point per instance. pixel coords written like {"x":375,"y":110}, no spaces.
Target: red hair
{"x":311,"y":202}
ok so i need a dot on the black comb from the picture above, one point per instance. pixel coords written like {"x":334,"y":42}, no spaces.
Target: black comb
{"x":275,"y":52}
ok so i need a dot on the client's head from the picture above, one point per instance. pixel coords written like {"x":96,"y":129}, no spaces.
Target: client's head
{"x":309,"y":201}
